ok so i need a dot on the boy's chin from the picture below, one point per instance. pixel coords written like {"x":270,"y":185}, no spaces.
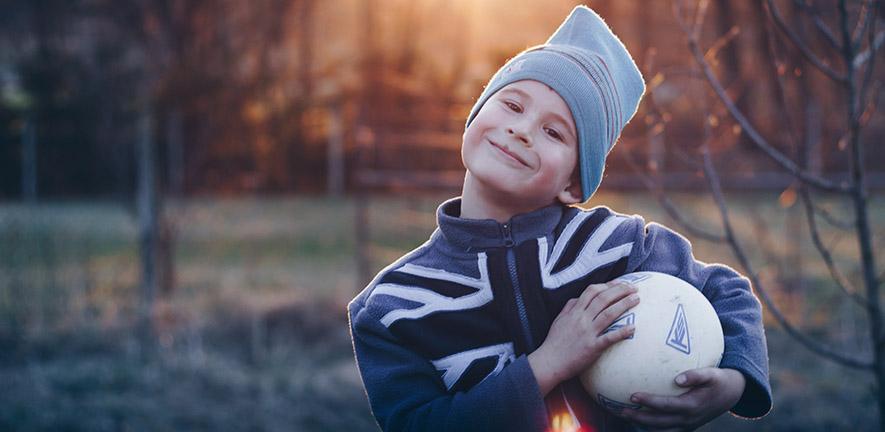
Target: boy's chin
{"x":497,"y":185}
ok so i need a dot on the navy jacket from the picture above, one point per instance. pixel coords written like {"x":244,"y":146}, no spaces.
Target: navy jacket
{"x":442,"y":335}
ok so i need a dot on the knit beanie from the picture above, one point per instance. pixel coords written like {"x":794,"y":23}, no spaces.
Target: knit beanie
{"x":588,"y":66}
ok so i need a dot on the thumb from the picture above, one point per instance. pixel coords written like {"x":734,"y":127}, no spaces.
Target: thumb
{"x":696,"y":377}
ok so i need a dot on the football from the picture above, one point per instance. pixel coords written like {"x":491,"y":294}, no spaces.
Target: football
{"x":677,"y":329}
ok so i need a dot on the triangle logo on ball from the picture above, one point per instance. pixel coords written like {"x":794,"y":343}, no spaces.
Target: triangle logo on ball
{"x":623,"y":321}
{"x":678,"y":337}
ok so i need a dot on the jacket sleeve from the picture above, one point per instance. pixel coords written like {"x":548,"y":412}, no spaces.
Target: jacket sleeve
{"x":657,"y":248}
{"x":406,"y":393}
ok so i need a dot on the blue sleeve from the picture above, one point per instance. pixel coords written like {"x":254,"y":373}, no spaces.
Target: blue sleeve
{"x":657,"y":248}
{"x":406,"y":393}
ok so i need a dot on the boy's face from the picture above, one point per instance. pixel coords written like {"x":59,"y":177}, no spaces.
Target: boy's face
{"x":522,"y":146}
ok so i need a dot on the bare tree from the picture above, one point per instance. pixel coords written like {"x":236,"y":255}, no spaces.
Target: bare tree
{"x":843,"y":48}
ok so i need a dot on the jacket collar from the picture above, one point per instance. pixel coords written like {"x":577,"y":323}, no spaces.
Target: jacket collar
{"x":478,"y":234}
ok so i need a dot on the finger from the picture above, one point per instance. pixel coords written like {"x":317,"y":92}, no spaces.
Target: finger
{"x":569,"y":305}
{"x":607,"y":298}
{"x":616,"y":282}
{"x":612,"y":312}
{"x":588,"y":295}
{"x":696,"y":377}
{"x":653,"y":419}
{"x":620,"y":334}
{"x":665,"y":404}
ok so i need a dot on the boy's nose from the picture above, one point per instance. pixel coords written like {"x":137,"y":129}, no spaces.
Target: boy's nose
{"x":522,"y":136}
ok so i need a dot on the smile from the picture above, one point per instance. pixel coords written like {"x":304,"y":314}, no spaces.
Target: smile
{"x":509,"y":153}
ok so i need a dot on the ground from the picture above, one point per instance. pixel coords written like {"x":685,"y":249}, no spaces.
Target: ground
{"x":254,"y":334}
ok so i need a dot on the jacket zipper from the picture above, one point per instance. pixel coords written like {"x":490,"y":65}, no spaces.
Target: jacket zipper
{"x":520,"y":306}
{"x":517,"y":291}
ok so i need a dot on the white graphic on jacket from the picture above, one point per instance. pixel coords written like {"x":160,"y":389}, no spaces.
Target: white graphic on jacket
{"x":590,"y":258}
{"x":431,"y":301}
{"x":455,"y":366}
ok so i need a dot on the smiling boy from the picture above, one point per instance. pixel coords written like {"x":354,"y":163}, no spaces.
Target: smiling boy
{"x":486,"y":325}
{"x":521,"y":154}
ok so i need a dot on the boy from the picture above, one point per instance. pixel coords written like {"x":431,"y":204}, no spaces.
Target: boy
{"x":460,"y":334}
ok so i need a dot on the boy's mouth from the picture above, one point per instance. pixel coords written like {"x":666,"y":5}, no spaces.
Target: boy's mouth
{"x":509,"y":153}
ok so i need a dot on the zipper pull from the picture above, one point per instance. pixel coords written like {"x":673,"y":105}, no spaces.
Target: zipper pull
{"x":508,"y":237}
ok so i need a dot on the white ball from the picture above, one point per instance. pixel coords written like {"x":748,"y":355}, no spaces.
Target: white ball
{"x":677,"y":329}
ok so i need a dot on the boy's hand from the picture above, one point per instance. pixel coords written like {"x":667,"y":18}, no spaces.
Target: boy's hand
{"x":713,"y":392}
{"x":575,"y":339}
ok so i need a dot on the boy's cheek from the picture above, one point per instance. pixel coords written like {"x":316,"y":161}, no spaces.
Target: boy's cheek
{"x":469,"y":144}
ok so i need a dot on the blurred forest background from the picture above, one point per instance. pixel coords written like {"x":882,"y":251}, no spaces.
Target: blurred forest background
{"x":192,"y":190}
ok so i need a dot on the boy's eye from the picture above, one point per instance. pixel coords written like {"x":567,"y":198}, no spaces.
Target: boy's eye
{"x":513,"y":106}
{"x":553,"y":133}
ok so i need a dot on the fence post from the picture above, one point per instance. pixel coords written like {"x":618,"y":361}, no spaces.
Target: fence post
{"x":335,"y":154}
{"x":363,"y":239}
{"x":362,"y":225}
{"x":148,"y":213}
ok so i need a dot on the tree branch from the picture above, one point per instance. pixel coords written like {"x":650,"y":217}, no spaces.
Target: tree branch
{"x":762,"y":238}
{"x":841,"y":281}
{"x":668,"y":206}
{"x":863,"y":22}
{"x":860,"y":197}
{"x":820,"y":24}
{"x":723,"y":40}
{"x":803,"y":339}
{"x":802,"y":46}
{"x":656,"y":188}
{"x":699,"y":17}
{"x":782,"y":160}
{"x":831,"y":219}
{"x":875,"y":44}
{"x":868,"y":73}
{"x":779,"y":79}
{"x":782,"y":93}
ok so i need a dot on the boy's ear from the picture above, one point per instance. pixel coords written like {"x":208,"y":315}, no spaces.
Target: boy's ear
{"x":572,"y":192}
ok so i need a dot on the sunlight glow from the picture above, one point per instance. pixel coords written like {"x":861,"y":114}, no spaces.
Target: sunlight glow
{"x":564,"y":423}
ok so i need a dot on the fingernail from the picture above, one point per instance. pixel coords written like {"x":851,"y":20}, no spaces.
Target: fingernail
{"x":681,"y":379}
{"x":634,"y":399}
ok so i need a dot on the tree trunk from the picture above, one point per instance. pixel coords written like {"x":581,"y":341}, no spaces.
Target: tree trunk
{"x":860,"y":197}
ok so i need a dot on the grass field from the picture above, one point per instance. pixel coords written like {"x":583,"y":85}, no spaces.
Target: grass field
{"x":254,"y":334}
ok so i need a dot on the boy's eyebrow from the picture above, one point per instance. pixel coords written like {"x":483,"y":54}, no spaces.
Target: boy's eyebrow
{"x":557,"y":116}
{"x":517,"y":91}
